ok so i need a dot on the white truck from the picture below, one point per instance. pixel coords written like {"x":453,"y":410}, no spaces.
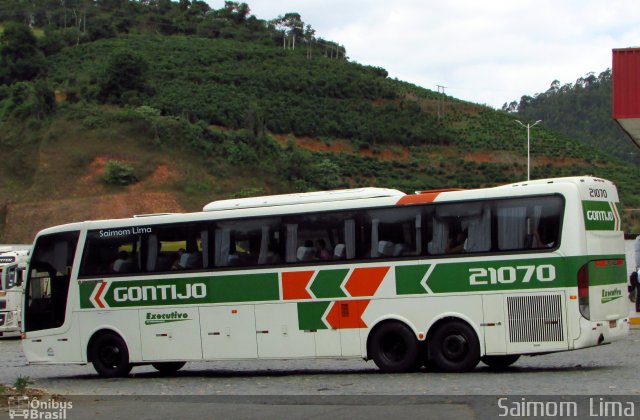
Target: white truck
{"x":13,"y":264}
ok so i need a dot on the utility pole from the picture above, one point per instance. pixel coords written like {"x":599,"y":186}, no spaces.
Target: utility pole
{"x":441,"y":101}
{"x":529,"y":127}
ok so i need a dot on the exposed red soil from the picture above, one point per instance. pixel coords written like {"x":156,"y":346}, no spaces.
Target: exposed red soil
{"x":558,"y":161}
{"x":24,"y":220}
{"x":343,"y":146}
{"x":483,"y":157}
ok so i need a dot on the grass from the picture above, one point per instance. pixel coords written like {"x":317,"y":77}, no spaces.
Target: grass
{"x":22,"y":383}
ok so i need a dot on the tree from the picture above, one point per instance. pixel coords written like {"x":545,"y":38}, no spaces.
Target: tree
{"x":309,"y":36}
{"x":20,"y":58}
{"x":27,"y":99}
{"x":124,"y":77}
{"x":291,"y":25}
{"x":234,"y":11}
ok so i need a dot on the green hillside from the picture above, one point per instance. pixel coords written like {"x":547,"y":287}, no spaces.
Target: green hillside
{"x":582,"y":111}
{"x":141,"y":122}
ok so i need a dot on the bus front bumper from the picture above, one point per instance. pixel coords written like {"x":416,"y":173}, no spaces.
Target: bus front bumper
{"x":9,"y":324}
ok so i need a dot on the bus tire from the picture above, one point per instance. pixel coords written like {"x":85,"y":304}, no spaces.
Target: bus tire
{"x":110,"y":356}
{"x":500,"y":362}
{"x":168,"y":368}
{"x":394,"y":348}
{"x":454,"y":347}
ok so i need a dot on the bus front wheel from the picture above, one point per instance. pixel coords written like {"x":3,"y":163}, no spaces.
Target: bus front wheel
{"x":454,"y":347}
{"x":110,"y":356}
{"x":394,"y":348}
{"x":168,"y":368}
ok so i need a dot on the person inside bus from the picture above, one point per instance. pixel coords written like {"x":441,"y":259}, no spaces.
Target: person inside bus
{"x":457,"y":243}
{"x":544,"y":236}
{"x":176,"y":263}
{"x":123,"y":263}
{"x":322,"y":253}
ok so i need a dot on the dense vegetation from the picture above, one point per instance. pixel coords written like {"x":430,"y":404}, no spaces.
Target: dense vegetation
{"x":582,"y":111}
{"x":252,"y":107}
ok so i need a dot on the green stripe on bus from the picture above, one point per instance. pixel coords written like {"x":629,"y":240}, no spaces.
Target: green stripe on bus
{"x":601,"y":215}
{"x":606,"y":274}
{"x":445,"y":277}
{"x":181,"y":291}
{"x":327,"y":283}
{"x":310,"y":315}
{"x":409,"y":278}
{"x":85,"y":290}
{"x":499,"y":275}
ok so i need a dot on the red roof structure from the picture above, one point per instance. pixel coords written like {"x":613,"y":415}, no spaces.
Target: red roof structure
{"x":625,"y":98}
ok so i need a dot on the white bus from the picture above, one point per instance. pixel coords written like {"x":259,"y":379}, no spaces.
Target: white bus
{"x":14,"y":262}
{"x":440,"y":278}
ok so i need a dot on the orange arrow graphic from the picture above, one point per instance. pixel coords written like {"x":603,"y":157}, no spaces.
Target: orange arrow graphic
{"x":347,"y":314}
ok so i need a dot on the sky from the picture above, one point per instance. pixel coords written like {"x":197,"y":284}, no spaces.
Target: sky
{"x":487,"y":52}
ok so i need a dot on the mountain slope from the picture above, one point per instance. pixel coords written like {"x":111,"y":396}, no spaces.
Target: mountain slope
{"x":198,"y":119}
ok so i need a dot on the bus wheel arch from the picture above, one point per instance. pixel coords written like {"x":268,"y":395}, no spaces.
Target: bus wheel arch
{"x":394,"y":347}
{"x":452,"y":345}
{"x":109,"y":354}
{"x":168,"y":368}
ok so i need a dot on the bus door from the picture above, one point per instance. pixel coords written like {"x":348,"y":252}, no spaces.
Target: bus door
{"x":49,"y":323}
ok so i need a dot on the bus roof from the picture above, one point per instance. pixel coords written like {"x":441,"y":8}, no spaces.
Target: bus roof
{"x":302,"y":198}
{"x":328,"y":200}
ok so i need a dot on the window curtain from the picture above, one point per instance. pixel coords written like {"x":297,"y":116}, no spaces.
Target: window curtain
{"x":152,"y":252}
{"x":264,"y":245}
{"x":222,"y":247}
{"x":374,"y":238}
{"x":438,"y":242}
{"x":419,"y":234}
{"x":292,"y":242}
{"x":478,"y":232}
{"x":350,"y":238}
{"x":512,"y":227}
{"x":204,"y":238}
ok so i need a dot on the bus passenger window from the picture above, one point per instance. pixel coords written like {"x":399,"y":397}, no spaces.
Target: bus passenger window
{"x":394,"y":233}
{"x":529,"y":223}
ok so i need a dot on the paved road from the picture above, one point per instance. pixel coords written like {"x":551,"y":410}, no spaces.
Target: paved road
{"x":331,"y":388}
{"x":609,"y":369}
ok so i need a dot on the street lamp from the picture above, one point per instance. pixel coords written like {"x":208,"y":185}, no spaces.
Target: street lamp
{"x":528,"y":127}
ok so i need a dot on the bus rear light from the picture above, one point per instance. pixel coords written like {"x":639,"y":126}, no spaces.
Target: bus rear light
{"x":583,"y":291}
{"x":605,"y":263}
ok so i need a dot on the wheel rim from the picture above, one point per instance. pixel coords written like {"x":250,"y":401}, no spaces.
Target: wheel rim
{"x":110,"y":356}
{"x":455,"y":347}
{"x":394,"y":348}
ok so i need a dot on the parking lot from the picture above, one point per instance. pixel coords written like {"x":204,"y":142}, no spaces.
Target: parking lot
{"x":290,"y":388}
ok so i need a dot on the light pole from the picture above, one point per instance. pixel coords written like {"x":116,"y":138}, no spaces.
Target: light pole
{"x":528,"y":127}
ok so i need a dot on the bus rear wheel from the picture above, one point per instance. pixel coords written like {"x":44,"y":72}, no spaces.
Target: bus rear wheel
{"x":394,"y":348}
{"x":500,"y":362}
{"x":454,"y":347}
{"x":168,"y":368}
{"x":110,"y":356}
